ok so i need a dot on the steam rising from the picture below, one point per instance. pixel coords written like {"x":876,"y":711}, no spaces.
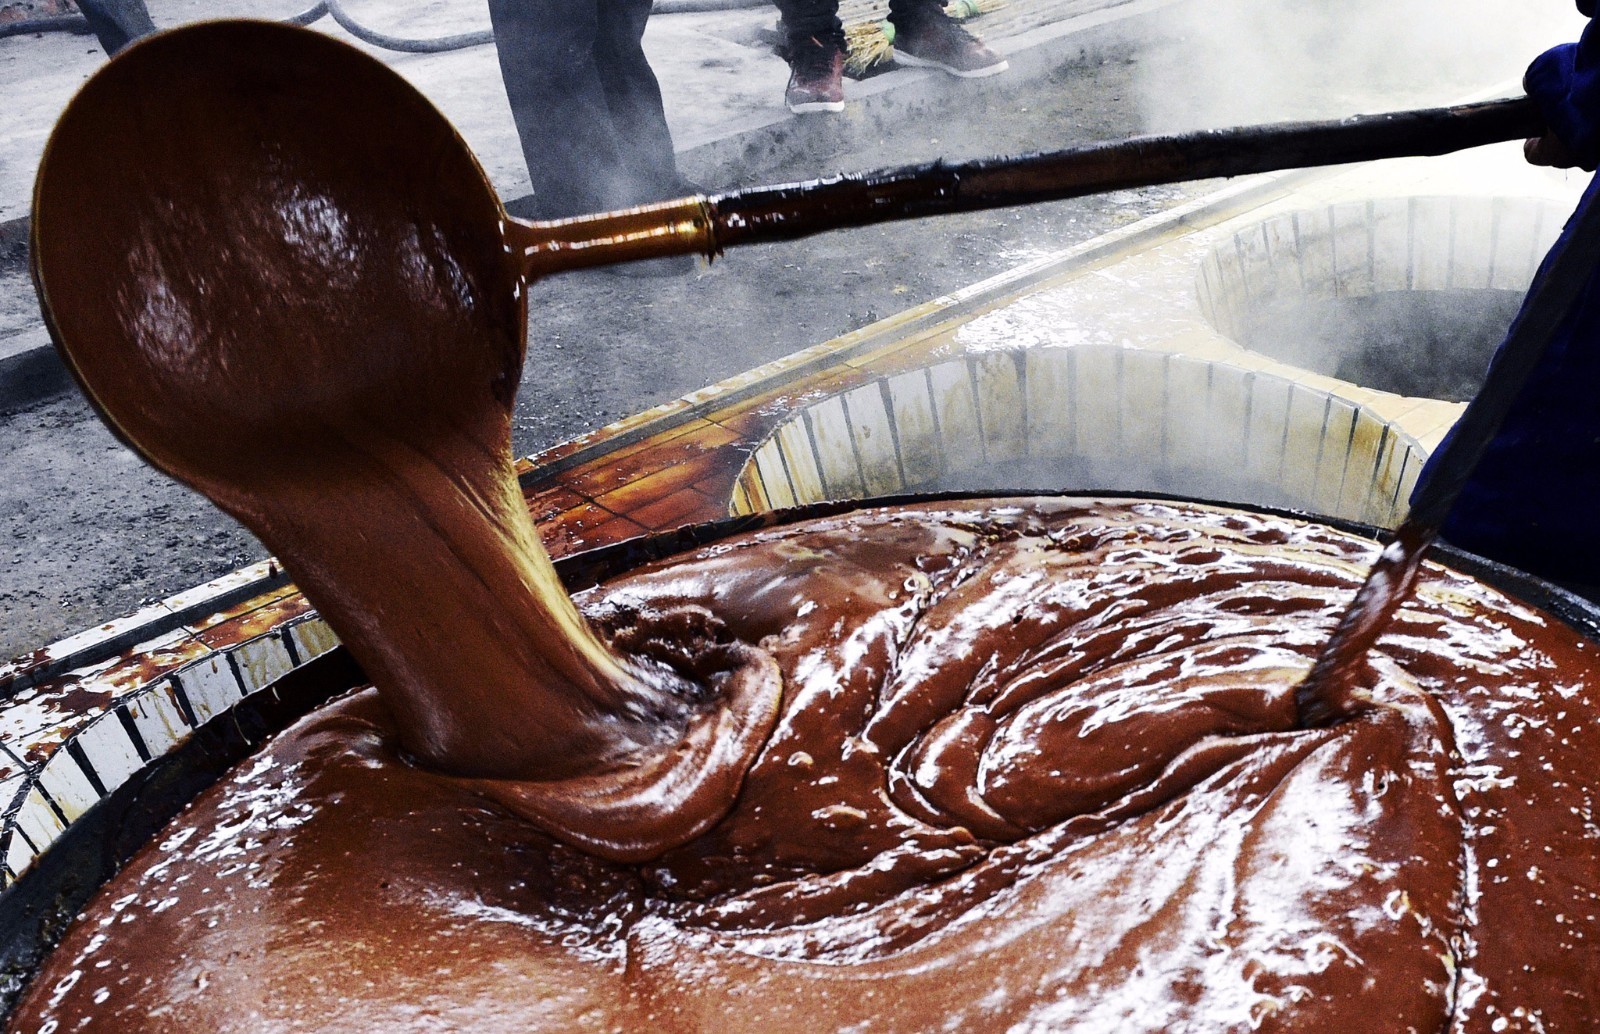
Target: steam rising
{"x":1234,"y":62}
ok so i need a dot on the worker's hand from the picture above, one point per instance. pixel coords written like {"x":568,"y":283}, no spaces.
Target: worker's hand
{"x":1549,"y":81}
{"x":1549,"y":150}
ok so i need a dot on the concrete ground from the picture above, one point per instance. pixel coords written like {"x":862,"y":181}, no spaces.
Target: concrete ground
{"x":87,"y":532}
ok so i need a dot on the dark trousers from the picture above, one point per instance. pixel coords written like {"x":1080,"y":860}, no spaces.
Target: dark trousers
{"x":587,"y":107}
{"x":820,"y":18}
{"x":116,"y":22}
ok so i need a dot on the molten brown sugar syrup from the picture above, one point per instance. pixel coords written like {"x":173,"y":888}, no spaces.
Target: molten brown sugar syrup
{"x":1037,"y":767}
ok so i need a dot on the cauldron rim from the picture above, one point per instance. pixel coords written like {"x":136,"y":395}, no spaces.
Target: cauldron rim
{"x":37,"y":909}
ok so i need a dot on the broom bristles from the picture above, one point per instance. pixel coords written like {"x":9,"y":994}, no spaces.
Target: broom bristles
{"x":867,"y":44}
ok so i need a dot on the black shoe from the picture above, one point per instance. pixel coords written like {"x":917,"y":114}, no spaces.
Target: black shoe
{"x":934,"y":40}
{"x":816,"y":75}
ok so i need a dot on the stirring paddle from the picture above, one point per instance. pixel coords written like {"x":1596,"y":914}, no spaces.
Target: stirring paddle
{"x":283,"y":279}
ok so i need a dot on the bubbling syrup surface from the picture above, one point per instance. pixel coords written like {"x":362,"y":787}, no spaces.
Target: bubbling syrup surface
{"x":1036,"y":768}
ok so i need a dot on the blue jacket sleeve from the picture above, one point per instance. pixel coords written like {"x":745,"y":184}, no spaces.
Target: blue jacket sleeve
{"x":1565,"y":82}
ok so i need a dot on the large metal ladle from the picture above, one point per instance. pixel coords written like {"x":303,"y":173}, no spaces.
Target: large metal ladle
{"x":283,"y":279}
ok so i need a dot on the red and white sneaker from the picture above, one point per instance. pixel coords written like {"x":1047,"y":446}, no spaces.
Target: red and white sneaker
{"x":816,"y":76}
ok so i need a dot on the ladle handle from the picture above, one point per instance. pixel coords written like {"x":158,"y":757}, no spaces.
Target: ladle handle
{"x":707,"y":225}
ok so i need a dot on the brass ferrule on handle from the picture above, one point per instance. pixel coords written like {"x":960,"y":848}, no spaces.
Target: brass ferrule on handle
{"x":679,"y":227}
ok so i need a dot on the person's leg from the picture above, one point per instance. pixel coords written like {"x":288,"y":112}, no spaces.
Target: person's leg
{"x":116,"y":23}
{"x":644,"y":144}
{"x":810,"y":19}
{"x":558,"y":101}
{"x":900,"y":11}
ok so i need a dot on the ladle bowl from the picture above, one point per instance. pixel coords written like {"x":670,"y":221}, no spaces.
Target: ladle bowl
{"x":238,"y":205}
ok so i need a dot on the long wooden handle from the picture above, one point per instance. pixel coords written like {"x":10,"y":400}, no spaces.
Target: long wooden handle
{"x":707,"y":225}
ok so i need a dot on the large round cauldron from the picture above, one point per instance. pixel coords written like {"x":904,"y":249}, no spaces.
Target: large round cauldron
{"x":35,"y":911}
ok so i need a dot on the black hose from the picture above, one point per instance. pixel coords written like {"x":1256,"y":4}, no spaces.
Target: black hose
{"x":474,"y":39}
{"x":387,"y":42}
{"x":61,"y":23}
{"x":309,"y":15}
{"x":79,"y":24}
